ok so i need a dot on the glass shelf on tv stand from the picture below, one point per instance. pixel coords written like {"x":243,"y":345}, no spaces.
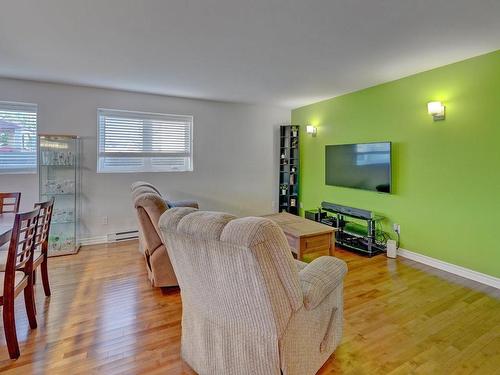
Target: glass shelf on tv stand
{"x":363,"y":242}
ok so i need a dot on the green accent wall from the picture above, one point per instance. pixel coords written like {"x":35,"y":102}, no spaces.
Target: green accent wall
{"x":446,"y":174}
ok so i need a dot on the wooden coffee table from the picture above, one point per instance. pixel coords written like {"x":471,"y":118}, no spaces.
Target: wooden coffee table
{"x":305,"y":236}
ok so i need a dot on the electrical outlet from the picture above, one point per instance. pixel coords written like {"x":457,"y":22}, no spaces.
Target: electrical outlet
{"x":104,"y":220}
{"x":397,"y":228}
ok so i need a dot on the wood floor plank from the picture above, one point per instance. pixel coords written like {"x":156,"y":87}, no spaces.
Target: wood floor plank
{"x":401,"y":317}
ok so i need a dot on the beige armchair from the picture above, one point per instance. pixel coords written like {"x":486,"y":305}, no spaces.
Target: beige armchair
{"x":149,"y":206}
{"x":248,"y":307}
{"x":143,"y":184}
{"x":139,"y":187}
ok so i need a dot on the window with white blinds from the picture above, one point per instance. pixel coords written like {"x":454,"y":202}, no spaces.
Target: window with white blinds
{"x":18,"y":123}
{"x":144,"y":142}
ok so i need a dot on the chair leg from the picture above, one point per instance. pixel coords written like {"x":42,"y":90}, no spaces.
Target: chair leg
{"x":45,"y":277}
{"x":9,"y":325}
{"x":34,"y":277}
{"x":29,"y":301}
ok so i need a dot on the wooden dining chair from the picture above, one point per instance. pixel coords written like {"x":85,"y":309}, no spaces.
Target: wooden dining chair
{"x":18,"y":276}
{"x":42,"y":242}
{"x":9,"y":202}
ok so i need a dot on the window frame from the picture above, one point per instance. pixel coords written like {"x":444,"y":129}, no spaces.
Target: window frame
{"x":23,"y":170}
{"x":147,"y":160}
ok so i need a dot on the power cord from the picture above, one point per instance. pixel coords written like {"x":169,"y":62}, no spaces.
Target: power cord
{"x":380,"y":235}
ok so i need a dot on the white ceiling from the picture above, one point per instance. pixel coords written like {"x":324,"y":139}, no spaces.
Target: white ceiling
{"x":282,"y":52}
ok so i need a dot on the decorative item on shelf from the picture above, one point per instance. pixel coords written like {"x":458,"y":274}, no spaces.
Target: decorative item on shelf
{"x":62,"y":215}
{"x":436,"y":110}
{"x":292,"y":179}
{"x":61,"y":187}
{"x":284,"y":159}
{"x":58,"y":242}
{"x":295,"y":131}
{"x":60,"y":158}
{"x":284,"y":189}
{"x":293,"y":169}
{"x":295,"y":142}
{"x":293,"y":202}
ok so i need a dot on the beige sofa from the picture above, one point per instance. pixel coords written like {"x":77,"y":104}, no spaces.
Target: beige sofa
{"x":248,"y":306}
{"x":149,"y":205}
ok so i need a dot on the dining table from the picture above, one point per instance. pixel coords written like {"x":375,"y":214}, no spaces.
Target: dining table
{"x":6,"y":225}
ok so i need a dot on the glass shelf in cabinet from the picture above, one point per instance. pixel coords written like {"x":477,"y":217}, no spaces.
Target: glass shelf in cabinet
{"x":53,"y":194}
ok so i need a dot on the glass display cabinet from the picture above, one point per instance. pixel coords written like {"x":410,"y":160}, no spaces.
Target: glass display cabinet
{"x":59,"y":177}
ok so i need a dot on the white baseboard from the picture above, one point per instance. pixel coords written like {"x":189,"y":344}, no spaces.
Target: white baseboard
{"x":451,"y":268}
{"x":93,"y":240}
{"x":98,"y":240}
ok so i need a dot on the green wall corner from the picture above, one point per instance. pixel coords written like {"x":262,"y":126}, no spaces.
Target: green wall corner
{"x":446,"y":174}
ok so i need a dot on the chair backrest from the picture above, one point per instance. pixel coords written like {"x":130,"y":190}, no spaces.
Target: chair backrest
{"x":9,"y":202}
{"x":149,"y":207}
{"x":5,"y":237}
{"x":143,"y":189}
{"x":21,"y":248}
{"x":140,"y":187}
{"x":233,"y":271}
{"x":44,"y":220}
{"x":139,"y":184}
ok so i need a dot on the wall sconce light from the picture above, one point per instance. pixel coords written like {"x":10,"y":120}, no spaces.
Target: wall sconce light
{"x":436,"y":109}
{"x":311,"y":130}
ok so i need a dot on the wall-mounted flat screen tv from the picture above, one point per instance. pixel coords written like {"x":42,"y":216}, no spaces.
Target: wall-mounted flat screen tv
{"x":361,"y":166}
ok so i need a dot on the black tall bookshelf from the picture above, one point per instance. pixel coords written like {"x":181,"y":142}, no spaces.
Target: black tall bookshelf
{"x":289,"y":169}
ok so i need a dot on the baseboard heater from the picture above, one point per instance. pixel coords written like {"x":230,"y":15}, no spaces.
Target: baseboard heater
{"x":123,"y":236}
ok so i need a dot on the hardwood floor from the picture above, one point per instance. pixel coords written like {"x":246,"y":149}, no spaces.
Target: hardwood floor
{"x":400,"y":318}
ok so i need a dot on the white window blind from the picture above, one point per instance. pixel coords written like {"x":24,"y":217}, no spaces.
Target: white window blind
{"x":18,"y":137}
{"x":144,"y":142}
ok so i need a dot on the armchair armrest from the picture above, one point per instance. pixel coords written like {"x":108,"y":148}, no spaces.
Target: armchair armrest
{"x":319,"y":278}
{"x":300,"y":265}
{"x":193,"y":204}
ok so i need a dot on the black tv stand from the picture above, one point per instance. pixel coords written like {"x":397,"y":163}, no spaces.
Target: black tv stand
{"x":351,"y":235}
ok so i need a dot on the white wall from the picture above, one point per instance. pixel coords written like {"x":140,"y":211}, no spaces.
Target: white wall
{"x":234,"y":152}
